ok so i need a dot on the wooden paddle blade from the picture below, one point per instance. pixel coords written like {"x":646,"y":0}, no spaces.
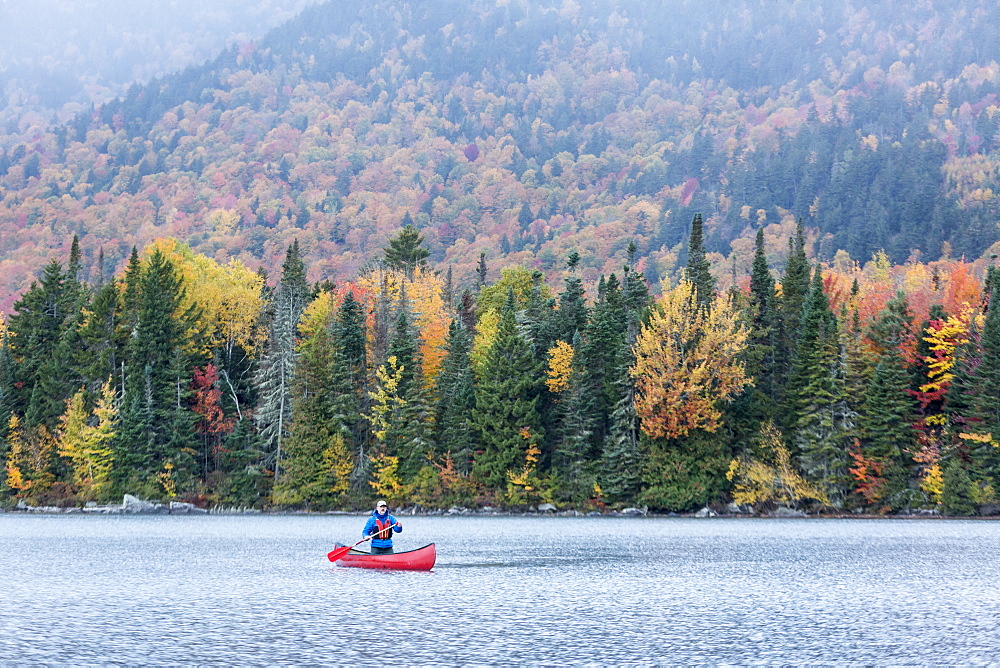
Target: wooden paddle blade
{"x":338,"y":553}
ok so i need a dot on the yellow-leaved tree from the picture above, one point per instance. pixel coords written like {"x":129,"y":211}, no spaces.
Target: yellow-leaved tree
{"x":688,"y":360}
{"x":560,"y":366}
{"x":385,"y":407}
{"x":229,"y":296}
{"x":29,"y":461}
{"x":88,"y":446}
{"x":771,"y":477}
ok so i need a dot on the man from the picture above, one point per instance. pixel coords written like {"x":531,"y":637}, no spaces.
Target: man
{"x":381,"y":524}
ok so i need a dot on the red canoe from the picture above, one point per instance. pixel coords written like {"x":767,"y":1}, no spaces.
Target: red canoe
{"x":420,"y":559}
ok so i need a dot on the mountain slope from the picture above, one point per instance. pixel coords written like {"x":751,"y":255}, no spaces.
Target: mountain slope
{"x":526,"y":130}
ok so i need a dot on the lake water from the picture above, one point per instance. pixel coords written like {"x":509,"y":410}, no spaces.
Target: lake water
{"x":254,"y":590}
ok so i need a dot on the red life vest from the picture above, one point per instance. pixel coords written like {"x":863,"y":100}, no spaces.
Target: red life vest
{"x":384,"y":529}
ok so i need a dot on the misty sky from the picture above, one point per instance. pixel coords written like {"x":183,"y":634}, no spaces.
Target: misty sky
{"x":58,"y":51}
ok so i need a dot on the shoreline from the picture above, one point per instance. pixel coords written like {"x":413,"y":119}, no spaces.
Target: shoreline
{"x":133,"y":506}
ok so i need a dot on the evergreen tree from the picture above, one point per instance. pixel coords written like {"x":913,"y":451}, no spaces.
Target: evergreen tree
{"x":456,"y":398}
{"x":405,"y":251}
{"x":307,"y":480}
{"x":794,"y":288}
{"x":155,"y":422}
{"x":102,"y":338}
{"x":131,"y":293}
{"x":505,"y":417}
{"x":823,"y":422}
{"x":6,"y":389}
{"x":277,"y":369}
{"x":415,"y":431}
{"x":621,"y":460}
{"x":349,"y":382}
{"x":635,"y":292}
{"x":599,"y":354}
{"x":984,"y":388}
{"x":36,"y":326}
{"x":957,"y":495}
{"x":698,"y":267}
{"x":573,"y":452}
{"x":766,"y":330}
{"x":572,"y":314}
{"x":404,"y":347}
{"x":888,"y":409}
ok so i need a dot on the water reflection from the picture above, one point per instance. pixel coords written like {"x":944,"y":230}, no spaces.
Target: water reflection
{"x":554,"y":591}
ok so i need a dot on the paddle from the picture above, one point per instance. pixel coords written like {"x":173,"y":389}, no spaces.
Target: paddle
{"x":341,"y":551}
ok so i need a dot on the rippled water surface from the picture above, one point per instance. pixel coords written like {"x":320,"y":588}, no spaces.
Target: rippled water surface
{"x":259,"y":590}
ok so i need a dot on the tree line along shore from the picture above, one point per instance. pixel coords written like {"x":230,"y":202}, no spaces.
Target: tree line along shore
{"x":831,"y":387}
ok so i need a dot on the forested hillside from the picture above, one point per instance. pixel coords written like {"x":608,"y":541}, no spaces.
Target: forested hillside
{"x":501,"y":253}
{"x":528,"y":130}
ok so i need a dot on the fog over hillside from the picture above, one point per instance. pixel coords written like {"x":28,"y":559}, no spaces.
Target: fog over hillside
{"x":62,"y":52}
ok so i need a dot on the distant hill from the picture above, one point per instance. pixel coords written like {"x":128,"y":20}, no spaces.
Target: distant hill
{"x":58,"y":54}
{"x":526,"y":130}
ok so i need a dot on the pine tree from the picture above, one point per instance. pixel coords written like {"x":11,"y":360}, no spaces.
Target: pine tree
{"x":698,"y":267}
{"x":505,"y":416}
{"x":405,"y":251}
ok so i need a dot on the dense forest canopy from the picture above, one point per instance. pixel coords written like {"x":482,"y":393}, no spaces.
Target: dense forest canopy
{"x":502,"y":253}
{"x":529,"y":129}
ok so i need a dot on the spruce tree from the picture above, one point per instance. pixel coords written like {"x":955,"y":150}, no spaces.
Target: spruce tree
{"x":984,"y":387}
{"x":794,"y":288}
{"x":277,"y":369}
{"x":572,"y":314}
{"x":415,"y":431}
{"x":957,"y":495}
{"x":154,"y":426}
{"x":456,"y":398}
{"x":404,"y":347}
{"x":888,"y":408}
{"x":505,"y":417}
{"x":766,"y":330}
{"x":102,"y":338}
{"x":349,"y":382}
{"x":572,"y":453}
{"x":307,"y":478}
{"x":698,"y":267}
{"x":6,"y":388}
{"x":822,"y":421}
{"x":36,"y":327}
{"x":621,"y":459}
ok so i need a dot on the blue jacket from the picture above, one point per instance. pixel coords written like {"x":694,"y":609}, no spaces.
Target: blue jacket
{"x":371,"y":528}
